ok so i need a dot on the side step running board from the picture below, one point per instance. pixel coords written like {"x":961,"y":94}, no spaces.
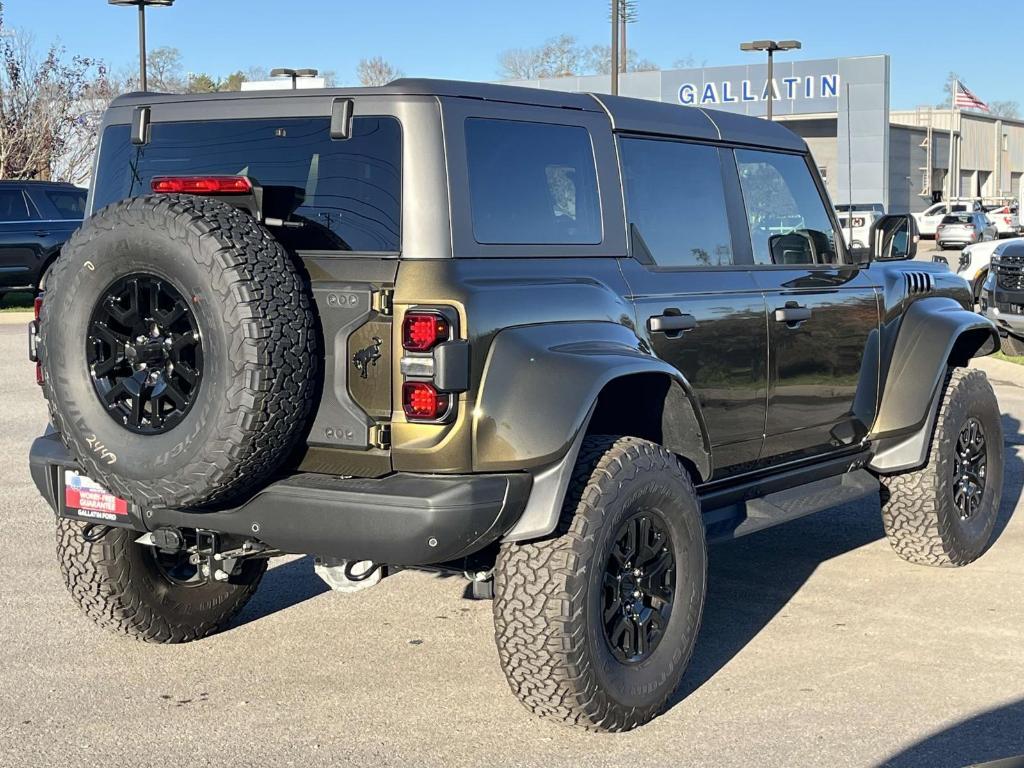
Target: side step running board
{"x":746,"y":517}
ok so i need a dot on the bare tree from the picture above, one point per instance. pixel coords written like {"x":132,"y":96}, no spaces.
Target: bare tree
{"x":558,"y":57}
{"x":598,"y":60}
{"x":687,"y":62}
{"x":376,"y":71}
{"x":164,"y":70}
{"x":257,"y":73}
{"x":49,"y":109}
{"x":1010,"y":109}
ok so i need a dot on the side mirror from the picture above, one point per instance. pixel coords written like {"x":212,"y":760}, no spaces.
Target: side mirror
{"x":894,"y":238}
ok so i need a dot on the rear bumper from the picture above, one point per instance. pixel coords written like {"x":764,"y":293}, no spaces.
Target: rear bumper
{"x":401,"y":519}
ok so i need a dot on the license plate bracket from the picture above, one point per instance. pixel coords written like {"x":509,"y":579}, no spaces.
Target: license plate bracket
{"x":82,"y":498}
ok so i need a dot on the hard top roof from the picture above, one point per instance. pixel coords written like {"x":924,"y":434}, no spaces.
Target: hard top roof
{"x":626,"y":114}
{"x":34,"y":183}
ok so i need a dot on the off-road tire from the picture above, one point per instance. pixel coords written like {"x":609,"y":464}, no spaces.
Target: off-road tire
{"x":255,"y":317}
{"x":1012,"y":345}
{"x":548,"y":626}
{"x":117,"y":584}
{"x":918,"y":509}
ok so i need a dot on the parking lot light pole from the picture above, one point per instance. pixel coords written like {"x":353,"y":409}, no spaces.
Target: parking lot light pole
{"x":143,"y":85}
{"x":614,"y":63}
{"x":771,"y":46}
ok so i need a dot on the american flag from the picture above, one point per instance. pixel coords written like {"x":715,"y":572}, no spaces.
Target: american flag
{"x":964,"y":99}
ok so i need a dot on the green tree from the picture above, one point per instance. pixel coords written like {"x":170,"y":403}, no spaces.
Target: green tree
{"x":232,"y":82}
{"x":201,"y":83}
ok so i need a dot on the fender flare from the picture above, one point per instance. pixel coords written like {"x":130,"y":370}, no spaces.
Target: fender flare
{"x":934,"y":333}
{"x":539,"y":388}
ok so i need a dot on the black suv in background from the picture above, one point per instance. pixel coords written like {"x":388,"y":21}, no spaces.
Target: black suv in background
{"x":36,"y":218}
{"x":1002,"y":298}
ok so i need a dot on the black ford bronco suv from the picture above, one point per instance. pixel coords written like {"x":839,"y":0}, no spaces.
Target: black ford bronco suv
{"x":558,"y":342}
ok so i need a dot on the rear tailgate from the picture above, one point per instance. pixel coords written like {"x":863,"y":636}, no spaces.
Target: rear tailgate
{"x":353,"y":300}
{"x":335,"y":204}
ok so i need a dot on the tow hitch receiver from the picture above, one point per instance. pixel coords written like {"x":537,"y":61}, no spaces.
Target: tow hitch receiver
{"x":207,"y":553}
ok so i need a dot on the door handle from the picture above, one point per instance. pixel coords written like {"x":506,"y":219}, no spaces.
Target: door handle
{"x":792,"y":313}
{"x":41,"y":233}
{"x":671,"y":323}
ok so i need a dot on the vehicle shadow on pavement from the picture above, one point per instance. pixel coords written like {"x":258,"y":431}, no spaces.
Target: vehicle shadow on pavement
{"x":751,"y":581}
{"x":993,"y":735}
{"x":282,"y":587}
{"x":1013,"y":473}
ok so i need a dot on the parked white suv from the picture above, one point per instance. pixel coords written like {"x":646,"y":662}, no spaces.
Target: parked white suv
{"x":929,"y":219}
{"x":976,"y":260}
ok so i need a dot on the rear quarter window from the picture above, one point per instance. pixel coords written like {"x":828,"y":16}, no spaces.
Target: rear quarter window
{"x":342,"y":195}
{"x":70,"y":204}
{"x":532,"y":183}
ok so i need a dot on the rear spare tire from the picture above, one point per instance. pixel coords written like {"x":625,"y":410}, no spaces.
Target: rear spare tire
{"x":178,"y":348}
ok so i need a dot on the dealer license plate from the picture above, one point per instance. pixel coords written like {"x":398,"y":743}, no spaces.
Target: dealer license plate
{"x":85,"y":499}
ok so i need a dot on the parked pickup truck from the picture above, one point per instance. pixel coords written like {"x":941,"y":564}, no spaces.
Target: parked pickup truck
{"x":36,"y":218}
{"x":557,"y":342}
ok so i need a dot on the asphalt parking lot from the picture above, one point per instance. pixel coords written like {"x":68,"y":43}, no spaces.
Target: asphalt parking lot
{"x":819,"y":647}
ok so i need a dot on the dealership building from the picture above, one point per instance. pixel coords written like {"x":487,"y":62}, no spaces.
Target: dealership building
{"x":866,"y":152}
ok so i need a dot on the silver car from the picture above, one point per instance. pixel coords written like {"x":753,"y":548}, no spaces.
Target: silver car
{"x":967,"y":228}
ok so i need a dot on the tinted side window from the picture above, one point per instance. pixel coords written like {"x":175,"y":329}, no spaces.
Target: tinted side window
{"x":788,"y":221}
{"x":346,"y":195}
{"x":70,"y":204}
{"x":675,"y":203}
{"x":532,"y":183}
{"x":13,"y":206}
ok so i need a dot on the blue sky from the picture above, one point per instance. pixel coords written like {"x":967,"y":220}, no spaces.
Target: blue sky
{"x":462,"y":39}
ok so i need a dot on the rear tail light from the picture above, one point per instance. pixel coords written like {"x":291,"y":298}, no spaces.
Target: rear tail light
{"x":421,"y":400}
{"x":422,"y":331}
{"x":33,"y":338}
{"x":202,"y":185}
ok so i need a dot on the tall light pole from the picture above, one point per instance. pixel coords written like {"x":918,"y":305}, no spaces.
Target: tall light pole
{"x":615,"y":48}
{"x":771,"y":46}
{"x":143,"y":85}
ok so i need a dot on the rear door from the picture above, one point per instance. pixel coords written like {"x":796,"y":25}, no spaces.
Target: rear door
{"x":20,"y":239}
{"x":823,"y":313}
{"x":696,"y":301}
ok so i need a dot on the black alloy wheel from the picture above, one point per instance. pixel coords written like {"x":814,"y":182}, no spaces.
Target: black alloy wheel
{"x":639,"y":586}
{"x":969,"y":468}
{"x":145,"y":354}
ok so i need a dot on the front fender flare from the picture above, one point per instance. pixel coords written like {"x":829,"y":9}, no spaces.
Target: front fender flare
{"x":934,"y":333}
{"x":540,"y":384}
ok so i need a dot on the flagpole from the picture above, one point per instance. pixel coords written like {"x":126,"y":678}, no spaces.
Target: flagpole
{"x":952,"y":113}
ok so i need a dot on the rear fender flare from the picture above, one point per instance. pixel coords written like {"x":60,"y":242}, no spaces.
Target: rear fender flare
{"x":541,"y":386}
{"x":541,"y":382}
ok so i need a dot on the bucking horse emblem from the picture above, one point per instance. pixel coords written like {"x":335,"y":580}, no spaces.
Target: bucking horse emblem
{"x":367,"y":356}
